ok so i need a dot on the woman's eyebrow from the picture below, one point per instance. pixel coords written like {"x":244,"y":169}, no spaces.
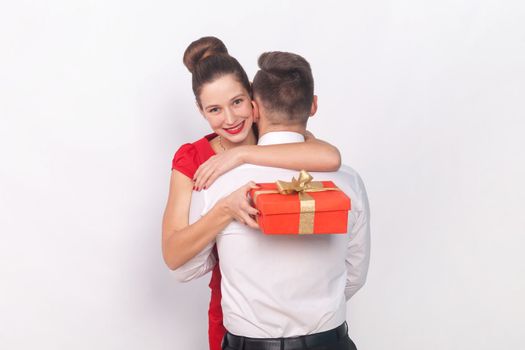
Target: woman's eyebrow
{"x":209,"y":106}
{"x":237,"y":96}
{"x":241,"y":94}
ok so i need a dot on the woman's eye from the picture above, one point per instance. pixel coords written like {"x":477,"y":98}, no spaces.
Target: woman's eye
{"x":237,"y":101}
{"x":213,"y":110}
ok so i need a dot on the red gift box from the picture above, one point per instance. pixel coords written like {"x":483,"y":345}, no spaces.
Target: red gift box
{"x":301,"y":207}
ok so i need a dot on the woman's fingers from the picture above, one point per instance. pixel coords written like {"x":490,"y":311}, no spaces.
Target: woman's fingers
{"x":240,"y":206}
{"x":252,"y":211}
{"x":245,"y":216}
{"x":214,"y":170}
{"x":203,"y":173}
{"x":250,"y":185}
{"x":197,"y":178}
{"x":202,"y":167}
{"x":208,"y":172}
{"x":245,"y":219}
{"x":246,"y":207}
{"x":248,"y":221}
{"x":201,"y":182}
{"x":248,"y":212}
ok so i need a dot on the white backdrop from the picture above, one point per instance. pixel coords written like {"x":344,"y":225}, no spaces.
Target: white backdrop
{"x":424,"y":98}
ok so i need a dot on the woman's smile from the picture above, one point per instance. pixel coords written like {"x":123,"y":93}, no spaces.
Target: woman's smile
{"x":234,"y":130}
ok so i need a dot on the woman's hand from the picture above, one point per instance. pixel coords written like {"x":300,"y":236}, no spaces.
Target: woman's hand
{"x":238,"y":206}
{"x":217,"y":165}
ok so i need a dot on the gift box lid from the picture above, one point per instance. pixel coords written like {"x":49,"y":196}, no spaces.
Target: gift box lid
{"x":276,"y":203}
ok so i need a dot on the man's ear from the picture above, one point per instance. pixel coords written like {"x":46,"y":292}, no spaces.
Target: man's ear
{"x":255,"y":111}
{"x":313,"y":109}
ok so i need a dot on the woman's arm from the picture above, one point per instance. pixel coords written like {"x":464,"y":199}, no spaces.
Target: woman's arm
{"x":294,"y":156}
{"x":181,"y":241}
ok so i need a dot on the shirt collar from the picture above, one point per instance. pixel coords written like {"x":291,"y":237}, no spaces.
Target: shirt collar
{"x":276,"y":137}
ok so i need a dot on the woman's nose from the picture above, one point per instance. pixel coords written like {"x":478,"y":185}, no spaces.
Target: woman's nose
{"x":229,"y":116}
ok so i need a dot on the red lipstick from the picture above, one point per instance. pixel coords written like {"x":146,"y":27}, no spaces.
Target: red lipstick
{"x":236,"y":129}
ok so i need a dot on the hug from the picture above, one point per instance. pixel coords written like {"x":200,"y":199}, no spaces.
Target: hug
{"x":268,"y":291}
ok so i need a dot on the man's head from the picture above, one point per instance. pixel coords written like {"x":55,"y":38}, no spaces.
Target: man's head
{"x":283,"y":90}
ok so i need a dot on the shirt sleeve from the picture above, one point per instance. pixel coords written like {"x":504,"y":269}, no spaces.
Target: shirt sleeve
{"x":186,"y":160}
{"x":358,"y":250}
{"x":197,"y":266}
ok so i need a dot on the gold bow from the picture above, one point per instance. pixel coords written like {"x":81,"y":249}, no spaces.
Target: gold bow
{"x":301,"y":186}
{"x":298,"y":185}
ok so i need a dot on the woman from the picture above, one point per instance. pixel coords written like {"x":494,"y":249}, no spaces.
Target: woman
{"x":223,"y":95}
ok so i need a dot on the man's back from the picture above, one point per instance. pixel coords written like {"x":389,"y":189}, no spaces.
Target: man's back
{"x":287,"y":285}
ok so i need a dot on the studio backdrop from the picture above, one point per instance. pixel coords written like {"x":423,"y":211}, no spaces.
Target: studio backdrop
{"x":425,"y":99}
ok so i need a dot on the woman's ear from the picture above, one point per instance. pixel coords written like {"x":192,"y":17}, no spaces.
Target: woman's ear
{"x":313,"y":109}
{"x":255,"y":111}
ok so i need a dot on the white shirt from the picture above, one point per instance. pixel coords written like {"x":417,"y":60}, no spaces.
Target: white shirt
{"x":284,"y":285}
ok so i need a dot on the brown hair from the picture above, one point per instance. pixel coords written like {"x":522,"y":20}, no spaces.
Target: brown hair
{"x":285,"y":85}
{"x":207,"y":59}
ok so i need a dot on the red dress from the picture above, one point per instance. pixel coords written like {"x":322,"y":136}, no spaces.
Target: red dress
{"x":187,"y":160}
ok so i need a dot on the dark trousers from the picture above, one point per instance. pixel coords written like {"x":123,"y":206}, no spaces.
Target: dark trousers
{"x":341,"y":342}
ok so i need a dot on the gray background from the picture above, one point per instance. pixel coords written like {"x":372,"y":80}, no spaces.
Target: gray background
{"x":424,"y":98}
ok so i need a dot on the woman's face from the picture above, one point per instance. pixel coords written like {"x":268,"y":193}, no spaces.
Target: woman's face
{"x":227,"y":107}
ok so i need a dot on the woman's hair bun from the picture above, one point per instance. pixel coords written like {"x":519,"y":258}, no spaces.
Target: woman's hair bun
{"x":202,"y":48}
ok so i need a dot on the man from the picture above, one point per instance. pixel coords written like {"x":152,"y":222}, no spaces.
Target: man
{"x":285,"y":291}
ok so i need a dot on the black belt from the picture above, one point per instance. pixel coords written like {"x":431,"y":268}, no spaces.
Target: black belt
{"x":292,"y":343}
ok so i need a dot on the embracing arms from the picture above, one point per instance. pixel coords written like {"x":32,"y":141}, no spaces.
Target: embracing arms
{"x":295,"y":156}
{"x":182,"y":241}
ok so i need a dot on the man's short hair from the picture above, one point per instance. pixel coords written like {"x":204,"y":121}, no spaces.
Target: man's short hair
{"x":285,"y":85}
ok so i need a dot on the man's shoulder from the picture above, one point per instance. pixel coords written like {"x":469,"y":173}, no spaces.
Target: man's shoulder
{"x":350,"y":174}
{"x":348,"y":170}
{"x":348,"y":180}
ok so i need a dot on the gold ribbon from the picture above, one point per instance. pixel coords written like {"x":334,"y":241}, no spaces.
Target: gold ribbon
{"x":301,"y":186}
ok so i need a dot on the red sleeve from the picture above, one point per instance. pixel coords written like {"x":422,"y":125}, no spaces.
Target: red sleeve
{"x":186,"y":160}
